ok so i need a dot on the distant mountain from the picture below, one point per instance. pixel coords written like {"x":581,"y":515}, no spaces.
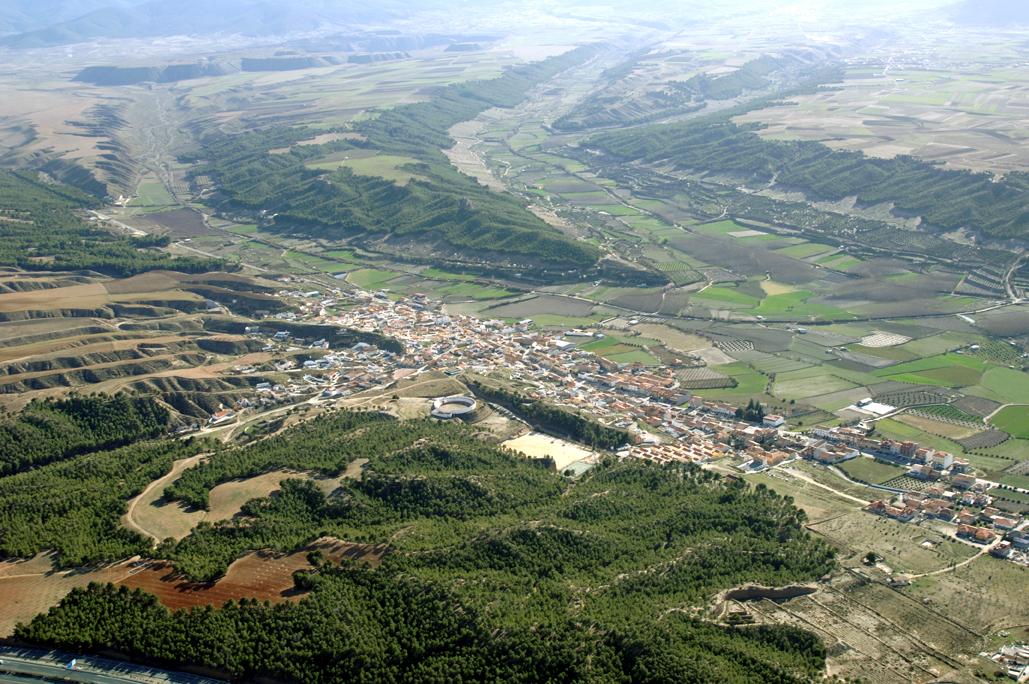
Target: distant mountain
{"x":157,"y":18}
{"x":991,"y":12}
{"x":19,"y":16}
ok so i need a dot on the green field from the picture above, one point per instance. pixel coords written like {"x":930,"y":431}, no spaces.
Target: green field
{"x":890,"y":353}
{"x":947,"y":370}
{"x":153,"y":195}
{"x":620,"y":210}
{"x":870,"y":470}
{"x":384,"y":166}
{"x":600,"y":344}
{"x":793,"y":303}
{"x":804,"y":250}
{"x":717,"y":228}
{"x":446,"y":275}
{"x":724,"y":294}
{"x":840,"y":263}
{"x":243,"y":230}
{"x":791,"y":386}
{"x":1010,"y":384}
{"x":1013,"y":420}
{"x":749,"y":381}
{"x":367,"y":278}
{"x":632,"y":357}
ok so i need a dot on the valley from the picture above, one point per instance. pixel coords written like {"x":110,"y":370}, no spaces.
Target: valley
{"x":730,"y":316}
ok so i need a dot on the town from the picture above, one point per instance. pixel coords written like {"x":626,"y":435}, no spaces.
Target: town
{"x":662,"y":421}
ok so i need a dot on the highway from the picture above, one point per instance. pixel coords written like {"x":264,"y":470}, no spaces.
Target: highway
{"x":23,"y":665}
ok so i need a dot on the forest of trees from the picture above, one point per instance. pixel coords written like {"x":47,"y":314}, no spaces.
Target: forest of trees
{"x":946,"y":198}
{"x":74,"y":506}
{"x":55,"y":429}
{"x":554,"y":419}
{"x":448,"y":202}
{"x":46,"y":236}
{"x":499,"y":570}
{"x":750,"y":76}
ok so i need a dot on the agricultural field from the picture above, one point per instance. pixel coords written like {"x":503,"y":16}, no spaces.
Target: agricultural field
{"x":1014,"y":420}
{"x":808,"y":383}
{"x":371,"y":278}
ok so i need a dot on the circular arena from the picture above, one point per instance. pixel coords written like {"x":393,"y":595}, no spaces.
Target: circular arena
{"x":448,"y":407}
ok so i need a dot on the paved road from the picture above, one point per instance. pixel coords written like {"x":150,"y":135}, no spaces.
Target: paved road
{"x":53,"y":665}
{"x":127,"y":228}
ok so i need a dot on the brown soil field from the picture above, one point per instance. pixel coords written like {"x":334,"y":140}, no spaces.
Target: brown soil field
{"x":23,"y":596}
{"x":675,"y":339}
{"x":985,"y":594}
{"x":183,"y":222}
{"x":857,"y":533}
{"x":90,"y":296}
{"x":873,"y":632}
{"x":263,"y":575}
{"x":29,"y":587}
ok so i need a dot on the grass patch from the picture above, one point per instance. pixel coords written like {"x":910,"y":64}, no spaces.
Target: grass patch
{"x":384,"y":166}
{"x":243,"y":230}
{"x":1011,"y":384}
{"x":153,"y":195}
{"x":445,"y":275}
{"x":1013,"y":420}
{"x":748,"y":380}
{"x":632,"y":357}
{"x":621,"y":210}
{"x":809,"y":385}
{"x":793,"y":303}
{"x":890,"y":353}
{"x":724,"y":294}
{"x":870,"y":470}
{"x":371,"y":277}
{"x":717,"y":228}
{"x":955,"y":376}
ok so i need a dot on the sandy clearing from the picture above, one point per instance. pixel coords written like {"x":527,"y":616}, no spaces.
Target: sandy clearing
{"x":773,"y":288}
{"x":227,"y":499}
{"x":152,"y":515}
{"x":713,"y":356}
{"x":538,"y":445}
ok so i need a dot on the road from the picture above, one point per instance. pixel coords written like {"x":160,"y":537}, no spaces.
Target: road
{"x":215,"y":256}
{"x":53,"y":665}
{"x":134,"y":231}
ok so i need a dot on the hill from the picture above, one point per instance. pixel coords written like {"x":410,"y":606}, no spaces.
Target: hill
{"x":990,"y":12}
{"x":18,"y":16}
{"x":499,"y":569}
{"x":436,"y":200}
